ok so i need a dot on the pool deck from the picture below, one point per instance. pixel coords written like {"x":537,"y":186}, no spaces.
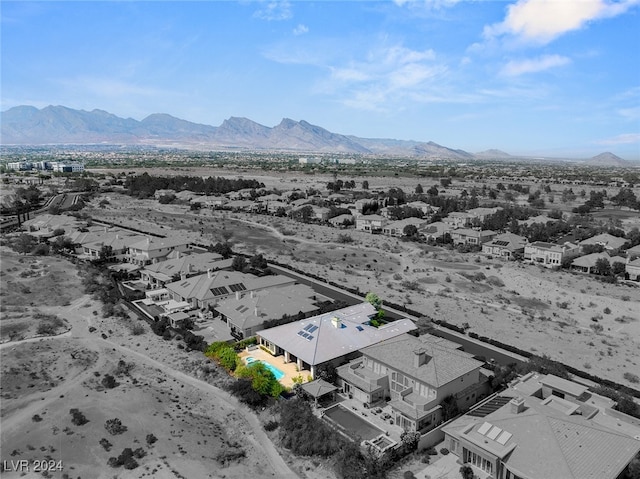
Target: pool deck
{"x":290,"y":370}
{"x":391,"y":430}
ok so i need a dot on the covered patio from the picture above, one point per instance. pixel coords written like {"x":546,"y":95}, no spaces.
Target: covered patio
{"x":322,"y":392}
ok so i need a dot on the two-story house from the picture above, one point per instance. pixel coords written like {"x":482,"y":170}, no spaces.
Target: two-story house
{"x":414,"y":374}
{"x":371,"y":223}
{"x":506,"y":245}
{"x":541,"y":428}
{"x":151,"y":250}
{"x":550,"y":255}
{"x":472,"y":237}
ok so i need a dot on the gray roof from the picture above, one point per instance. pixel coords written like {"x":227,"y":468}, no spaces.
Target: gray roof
{"x":253,"y":309}
{"x":544,"y":442}
{"x":324,"y":341}
{"x":444,"y":363}
{"x":203,"y":287}
{"x":318,"y":388}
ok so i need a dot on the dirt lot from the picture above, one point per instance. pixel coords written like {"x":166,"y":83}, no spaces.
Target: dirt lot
{"x":571,"y":317}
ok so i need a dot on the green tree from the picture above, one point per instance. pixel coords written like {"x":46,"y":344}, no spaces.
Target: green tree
{"x":24,"y":243}
{"x":373,"y":299}
{"x":419,"y":189}
{"x":411,"y":231}
{"x":466,"y":472}
{"x":603,"y":267}
{"x":239,"y":263}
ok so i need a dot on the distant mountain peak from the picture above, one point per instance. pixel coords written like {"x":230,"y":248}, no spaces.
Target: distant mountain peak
{"x":493,"y":153}
{"x":607,"y":159}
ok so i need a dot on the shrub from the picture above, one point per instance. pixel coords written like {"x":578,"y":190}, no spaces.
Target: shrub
{"x":109,"y":382}
{"x":408,"y":475}
{"x":106,"y":444}
{"x":77,"y":417}
{"x":271,"y":425}
{"x":138,"y":329}
{"x":632,"y":378}
{"x":151,"y":439}
{"x":114,"y":426}
{"x":36,"y":418}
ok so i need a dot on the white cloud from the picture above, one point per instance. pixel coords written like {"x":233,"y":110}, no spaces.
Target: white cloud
{"x":622,"y":139}
{"x":300,"y":29}
{"x":275,"y":10}
{"x":541,"y":21}
{"x":429,"y":4}
{"x":534,"y":65}
{"x":632,"y":113}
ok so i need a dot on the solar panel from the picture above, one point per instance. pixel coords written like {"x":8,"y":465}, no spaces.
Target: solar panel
{"x":494,"y":432}
{"x":309,"y":337}
{"x":244,"y":308}
{"x":484,"y":428}
{"x":359,"y":328}
{"x":501,"y":243}
{"x":237,"y":287}
{"x":504,"y":437}
{"x":308,"y":327}
{"x":219,"y":291}
{"x":300,"y":333}
{"x":313,"y":328}
{"x":305,"y":335}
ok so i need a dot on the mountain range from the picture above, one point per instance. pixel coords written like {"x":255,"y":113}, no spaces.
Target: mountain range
{"x":27,"y":125}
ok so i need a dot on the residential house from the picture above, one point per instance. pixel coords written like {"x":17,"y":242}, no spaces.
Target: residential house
{"x":607,"y":241}
{"x":632,"y":269}
{"x":550,"y":255}
{"x":458,"y":219}
{"x":506,"y":245}
{"x":435,"y":231}
{"x":151,"y":250}
{"x":426,"y":208}
{"x":158,"y":274}
{"x":214,"y":201}
{"x":243,"y":205}
{"x":587,"y":263}
{"x":340,"y":220}
{"x":472,"y":237}
{"x":246,"y":314}
{"x":371,"y":223}
{"x":482,"y":214}
{"x":396,"y":228}
{"x":207,"y":290}
{"x":539,"y":429}
{"x":330,"y":338}
{"x":633,"y":252}
{"x":118,"y":243}
{"x":413,"y":375}
{"x":540,"y":219}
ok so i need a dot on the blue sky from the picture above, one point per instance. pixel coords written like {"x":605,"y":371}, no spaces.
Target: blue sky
{"x":536,"y":77}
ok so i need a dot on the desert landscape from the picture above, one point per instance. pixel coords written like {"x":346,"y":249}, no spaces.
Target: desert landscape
{"x":81,"y":391}
{"x":533,"y":308}
{"x":178,"y":421}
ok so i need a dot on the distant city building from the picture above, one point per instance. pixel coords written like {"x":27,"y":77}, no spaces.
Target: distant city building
{"x":19,"y":165}
{"x":67,"y":167}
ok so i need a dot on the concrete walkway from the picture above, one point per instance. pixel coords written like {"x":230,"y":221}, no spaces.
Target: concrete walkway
{"x":446,"y":467}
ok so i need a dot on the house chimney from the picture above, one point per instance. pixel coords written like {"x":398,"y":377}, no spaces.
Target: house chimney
{"x":237,"y":294}
{"x":336,"y":322}
{"x":209,"y":273}
{"x":190,"y":268}
{"x":251,"y":293}
{"x":183,"y":275}
{"x":516,"y":405}
{"x":148,"y":241}
{"x":255,"y":311}
{"x":419,"y":357}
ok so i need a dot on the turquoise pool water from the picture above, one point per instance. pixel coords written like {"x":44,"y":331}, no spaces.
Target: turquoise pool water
{"x":276,"y":372}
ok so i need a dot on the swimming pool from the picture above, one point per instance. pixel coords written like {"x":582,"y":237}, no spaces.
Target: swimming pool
{"x":276,"y":372}
{"x":352,"y":424}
